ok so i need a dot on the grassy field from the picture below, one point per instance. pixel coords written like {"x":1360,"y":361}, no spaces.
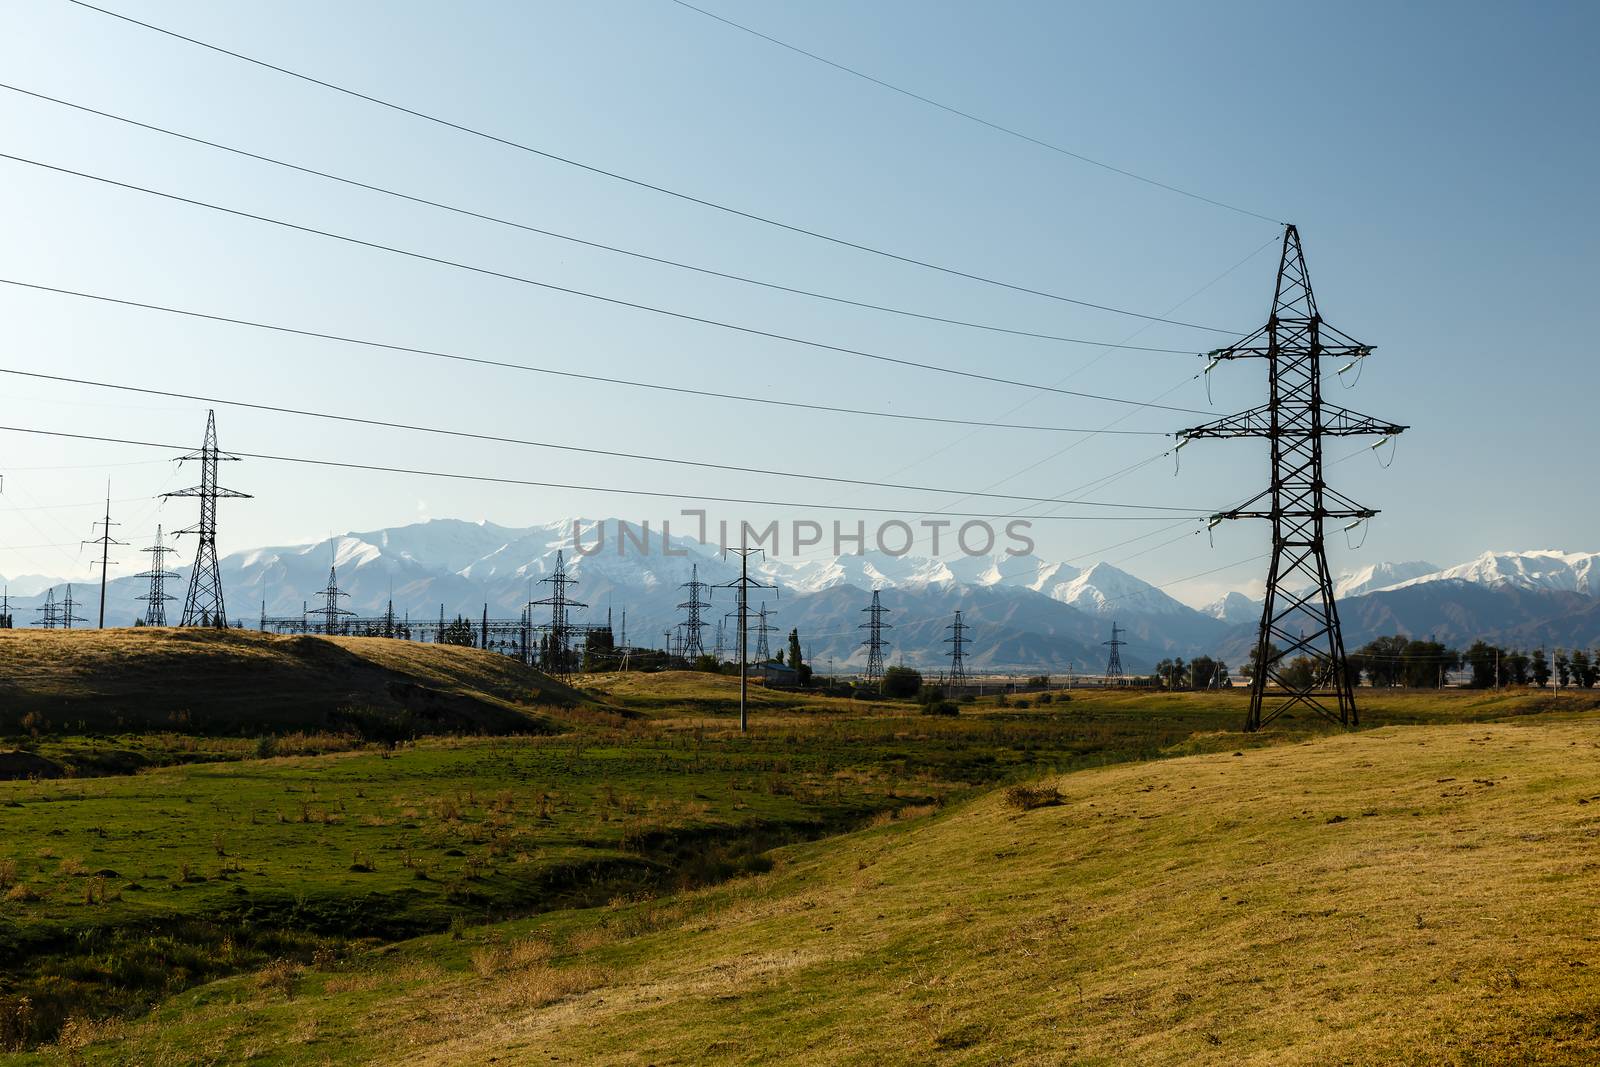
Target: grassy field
{"x":231,"y":682}
{"x":306,"y":897}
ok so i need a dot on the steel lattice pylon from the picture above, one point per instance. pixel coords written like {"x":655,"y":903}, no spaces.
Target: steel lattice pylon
{"x":693,"y":626}
{"x":1114,"y":675}
{"x":1309,"y":668}
{"x":560,"y":603}
{"x":875,"y":644}
{"x":958,"y":651}
{"x":204,"y":606}
{"x":155,"y":613}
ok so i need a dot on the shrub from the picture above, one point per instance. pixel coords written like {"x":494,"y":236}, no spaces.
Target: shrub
{"x":1024,"y":704}
{"x":1046,"y":698}
{"x":942,"y":707}
{"x":1028,"y":797}
{"x":901,"y":682}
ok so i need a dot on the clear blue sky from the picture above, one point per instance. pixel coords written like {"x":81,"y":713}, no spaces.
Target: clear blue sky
{"x":1438,"y":158}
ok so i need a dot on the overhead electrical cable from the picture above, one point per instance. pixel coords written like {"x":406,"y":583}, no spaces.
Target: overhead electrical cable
{"x":485,"y":217}
{"x":533,"y":369}
{"x":617,"y":301}
{"x":497,"y":480}
{"x":638,"y":182}
{"x":611,"y":453}
{"x":970,"y":117}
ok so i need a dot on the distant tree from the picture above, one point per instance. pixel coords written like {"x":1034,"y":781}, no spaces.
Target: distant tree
{"x":1424,"y":663}
{"x":707,"y":663}
{"x":1563,"y":669}
{"x":1164,"y":672}
{"x":1583,"y":671}
{"x":1482,"y":658}
{"x":794,"y":650}
{"x":599,"y":650}
{"x":1249,"y":669}
{"x":1203,"y":672}
{"x":901,"y":682}
{"x":1180,"y":673}
{"x":1539,"y":668}
{"x":1299,"y":673}
{"x":1380,"y":660}
{"x":1223,"y":679}
{"x":1516,"y":667}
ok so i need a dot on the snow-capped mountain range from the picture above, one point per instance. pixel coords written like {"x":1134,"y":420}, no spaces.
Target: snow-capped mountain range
{"x":1031,"y":612}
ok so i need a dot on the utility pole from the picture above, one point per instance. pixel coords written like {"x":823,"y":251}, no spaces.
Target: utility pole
{"x":1114,"y":675}
{"x":875,"y":644}
{"x":155,"y":611}
{"x":958,"y":648}
{"x":1296,"y":420}
{"x":742,"y":586}
{"x":203,"y":606}
{"x":105,"y":541}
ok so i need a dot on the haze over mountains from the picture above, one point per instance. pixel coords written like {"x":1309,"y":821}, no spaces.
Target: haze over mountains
{"x":1026,"y":613}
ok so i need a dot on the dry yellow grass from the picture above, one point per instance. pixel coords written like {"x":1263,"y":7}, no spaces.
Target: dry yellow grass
{"x":1410,"y":895}
{"x":1417,"y":895}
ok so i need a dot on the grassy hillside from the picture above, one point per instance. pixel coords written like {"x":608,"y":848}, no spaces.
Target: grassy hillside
{"x":231,"y":682}
{"x":1416,"y":895}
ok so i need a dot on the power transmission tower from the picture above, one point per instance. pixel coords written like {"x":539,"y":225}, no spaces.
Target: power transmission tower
{"x":6,"y":622}
{"x":721,"y":644}
{"x":203,"y":606}
{"x":49,"y":611}
{"x":559,"y":603}
{"x":741,"y":587}
{"x":692,"y":645}
{"x":1299,"y":606}
{"x":1114,"y":675}
{"x":875,"y":644}
{"x":105,"y":541}
{"x":68,"y":616}
{"x":330,"y":610}
{"x":155,"y":612}
{"x":763,"y":649}
{"x":958,"y":650}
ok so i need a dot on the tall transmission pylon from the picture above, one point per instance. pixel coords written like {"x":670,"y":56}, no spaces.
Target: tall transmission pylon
{"x":6,"y":621}
{"x":1309,"y":668}
{"x":332,"y":614}
{"x":875,"y":644}
{"x":155,"y":611}
{"x":763,"y":647}
{"x":958,"y":651}
{"x":1114,"y":675}
{"x":204,"y":606}
{"x":49,"y":612}
{"x":68,"y":614}
{"x":692,"y":644}
{"x":721,"y":642}
{"x":741,"y":587}
{"x":105,"y":541}
{"x":560,"y":604}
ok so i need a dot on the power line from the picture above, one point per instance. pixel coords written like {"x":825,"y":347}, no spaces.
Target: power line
{"x":497,"y":480}
{"x":640,"y":183}
{"x":970,"y":117}
{"x":551,"y":286}
{"x":482,"y":216}
{"x":470,"y":435}
{"x":532,"y":369}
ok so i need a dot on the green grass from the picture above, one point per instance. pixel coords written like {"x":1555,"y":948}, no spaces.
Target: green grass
{"x":243,"y":880}
{"x":1403,"y":895}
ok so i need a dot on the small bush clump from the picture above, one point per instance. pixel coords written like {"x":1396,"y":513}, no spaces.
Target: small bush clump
{"x":1028,"y":797}
{"x":943,"y":707}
